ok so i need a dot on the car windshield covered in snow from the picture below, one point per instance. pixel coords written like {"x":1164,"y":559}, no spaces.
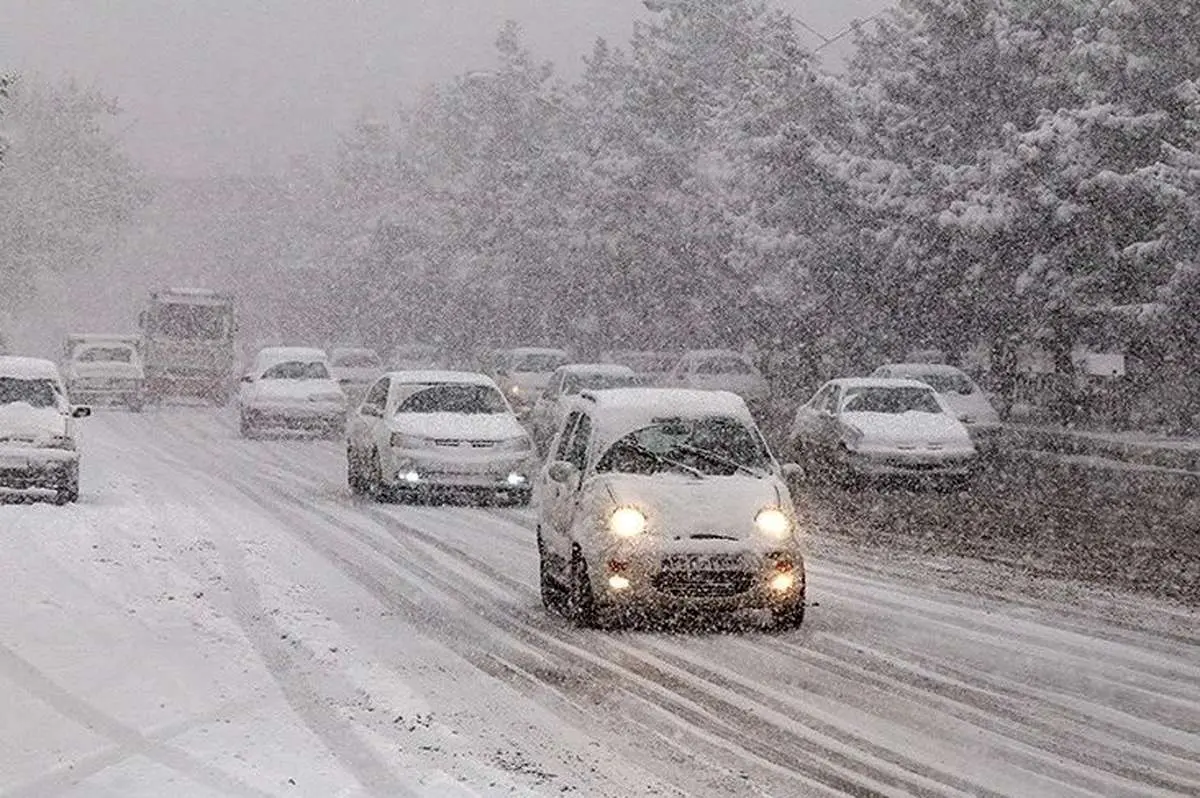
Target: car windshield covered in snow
{"x":879,"y":399}
{"x":296,"y":370}
{"x":105,"y":354}
{"x":714,"y":446}
{"x":574,"y":383}
{"x":537,"y":362}
{"x":35,"y":392}
{"x":455,"y":398}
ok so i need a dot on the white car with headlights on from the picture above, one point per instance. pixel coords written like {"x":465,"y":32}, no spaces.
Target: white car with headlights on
{"x":37,"y":429}
{"x":290,"y":388}
{"x":666,"y":501}
{"x":438,"y":433}
{"x":876,"y":427}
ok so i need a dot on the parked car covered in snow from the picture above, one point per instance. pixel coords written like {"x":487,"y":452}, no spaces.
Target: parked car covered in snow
{"x":37,"y":429}
{"x":355,"y":369}
{"x":965,"y":399}
{"x":104,"y":369}
{"x":860,"y":427}
{"x":437,"y":433}
{"x":570,"y":380}
{"x":720,"y":370}
{"x":291,"y":388}
{"x":524,"y":372}
{"x":661,"y":500}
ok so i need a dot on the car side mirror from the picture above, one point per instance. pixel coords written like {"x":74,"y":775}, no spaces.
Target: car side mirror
{"x":81,"y":411}
{"x":561,"y":471}
{"x":792,"y":472}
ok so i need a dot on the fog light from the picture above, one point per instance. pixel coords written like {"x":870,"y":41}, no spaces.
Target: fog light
{"x":412,"y":477}
{"x":514,"y":479}
{"x":783,"y":582}
{"x":618,"y":582}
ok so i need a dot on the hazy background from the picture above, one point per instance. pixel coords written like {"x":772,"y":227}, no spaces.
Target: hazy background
{"x":237,"y":86}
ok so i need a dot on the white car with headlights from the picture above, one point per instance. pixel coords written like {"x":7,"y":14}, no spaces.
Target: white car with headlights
{"x":662,"y":500}
{"x":960,"y":393}
{"x":37,"y":429}
{"x":291,"y":388}
{"x":523,"y":373}
{"x":876,"y":427}
{"x":550,"y":409}
{"x":436,"y":433}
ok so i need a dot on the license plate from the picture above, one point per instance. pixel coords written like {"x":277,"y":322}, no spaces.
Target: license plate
{"x":702,"y":562}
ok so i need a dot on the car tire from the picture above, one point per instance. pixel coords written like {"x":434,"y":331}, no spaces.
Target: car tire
{"x":373,"y":479}
{"x":552,"y":594}
{"x":580,"y":604}
{"x":354,"y":477}
{"x":244,"y":426}
{"x":788,"y":617}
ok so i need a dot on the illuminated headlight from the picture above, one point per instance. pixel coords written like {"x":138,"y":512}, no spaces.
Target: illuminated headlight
{"x":411,"y":477}
{"x":514,"y":390}
{"x":783,"y":582}
{"x":618,"y":582}
{"x":521,"y":443}
{"x":627,"y":522}
{"x":515,"y":480}
{"x":403,"y":441}
{"x":773,"y":523}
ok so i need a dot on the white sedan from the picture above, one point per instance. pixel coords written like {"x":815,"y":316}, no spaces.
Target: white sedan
{"x":431,"y":433}
{"x":290,"y":388}
{"x":666,"y":500}
{"x":861,"y":427}
{"x":37,"y":429}
{"x":550,"y":408}
{"x":960,"y":393}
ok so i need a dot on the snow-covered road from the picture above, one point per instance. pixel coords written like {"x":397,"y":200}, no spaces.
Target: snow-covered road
{"x":218,"y":617}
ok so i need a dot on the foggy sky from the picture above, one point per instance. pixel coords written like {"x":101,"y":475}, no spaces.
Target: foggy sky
{"x":238,"y":86}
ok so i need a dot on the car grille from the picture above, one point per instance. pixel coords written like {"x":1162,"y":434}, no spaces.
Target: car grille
{"x":458,"y":443}
{"x":703,"y":584}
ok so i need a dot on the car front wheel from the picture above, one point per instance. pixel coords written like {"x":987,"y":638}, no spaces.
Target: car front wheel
{"x":581,"y":602}
{"x":552,"y":597}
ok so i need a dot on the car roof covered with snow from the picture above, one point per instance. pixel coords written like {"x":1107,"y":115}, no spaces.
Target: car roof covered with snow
{"x":615,"y":412}
{"x":535,"y":350}
{"x":877,"y":382}
{"x":274,"y":355}
{"x":28,"y":368}
{"x":613,"y":369}
{"x":435,"y":377}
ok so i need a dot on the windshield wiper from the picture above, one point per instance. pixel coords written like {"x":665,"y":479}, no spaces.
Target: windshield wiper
{"x":664,"y":460}
{"x":719,"y":459}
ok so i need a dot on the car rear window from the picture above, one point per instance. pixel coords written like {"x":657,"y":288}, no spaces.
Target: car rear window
{"x":296,"y":370}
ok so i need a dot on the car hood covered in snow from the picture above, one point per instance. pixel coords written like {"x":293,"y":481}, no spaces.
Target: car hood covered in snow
{"x":913,"y":428}
{"x":25,"y":422}
{"x":683,"y":507}
{"x":460,"y":426}
{"x":296,"y":390}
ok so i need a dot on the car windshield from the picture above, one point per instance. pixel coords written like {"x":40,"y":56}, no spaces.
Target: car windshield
{"x":185,"y":321}
{"x":879,"y":399}
{"x":944,"y":381}
{"x":540,"y":363}
{"x":356,"y":360}
{"x":297,"y":370}
{"x":724,"y":365}
{"x":713,"y":446}
{"x":456,"y":398}
{"x":105,"y":354}
{"x":35,"y":392}
{"x":574,"y":383}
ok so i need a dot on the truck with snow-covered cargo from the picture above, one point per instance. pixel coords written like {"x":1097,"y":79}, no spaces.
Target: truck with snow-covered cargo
{"x":188,"y":344}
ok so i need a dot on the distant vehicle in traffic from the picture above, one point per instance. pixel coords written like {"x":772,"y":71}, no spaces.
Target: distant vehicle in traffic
{"x":37,"y":429}
{"x":355,"y":369}
{"x":438,"y":433}
{"x":415,"y":357}
{"x":188,"y":344}
{"x":652,"y":368}
{"x":523,"y":373}
{"x":550,"y":408}
{"x":666,"y":500}
{"x":965,"y":399}
{"x":104,"y":369}
{"x":721,"y":370}
{"x":291,"y":388}
{"x":864,"y":427}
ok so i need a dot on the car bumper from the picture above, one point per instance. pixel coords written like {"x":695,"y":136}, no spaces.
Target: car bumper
{"x":22,"y":468}
{"x":673,"y":583}
{"x":500,"y":472}
{"x":311,"y":415}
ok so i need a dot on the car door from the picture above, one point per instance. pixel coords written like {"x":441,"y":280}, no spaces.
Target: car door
{"x":563,"y":497}
{"x":805,"y":426}
{"x":827,"y":424}
{"x":366,"y":419}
